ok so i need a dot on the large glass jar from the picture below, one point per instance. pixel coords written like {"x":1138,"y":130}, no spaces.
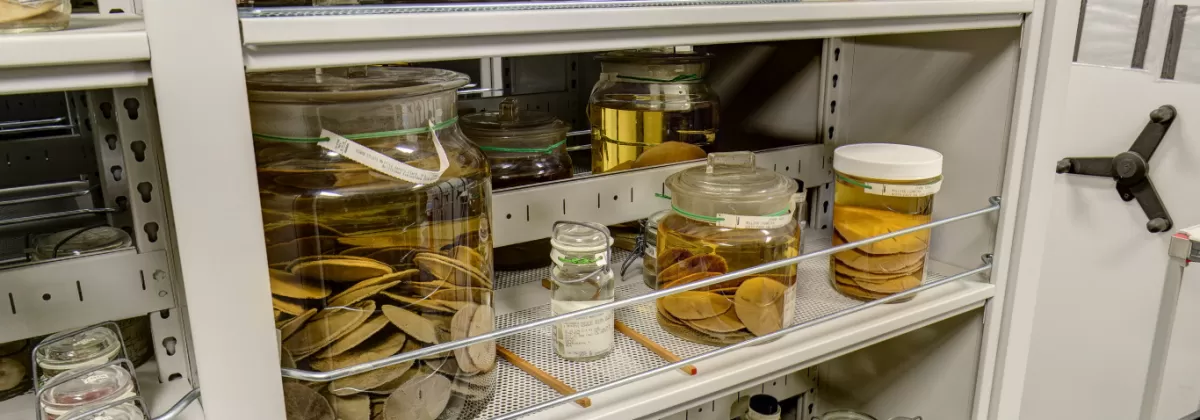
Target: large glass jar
{"x":882,"y":188}
{"x":376,"y":212}
{"x":651,"y":108}
{"x":102,"y":385}
{"x":79,"y":350}
{"x":728,"y":215}
{"x":20,"y":16}
{"x":522,"y":147}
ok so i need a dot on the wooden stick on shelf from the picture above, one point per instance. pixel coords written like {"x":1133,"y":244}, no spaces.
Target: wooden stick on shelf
{"x":654,"y":347}
{"x":541,"y":375}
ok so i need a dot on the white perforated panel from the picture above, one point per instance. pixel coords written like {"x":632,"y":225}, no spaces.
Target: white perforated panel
{"x":516,"y":389}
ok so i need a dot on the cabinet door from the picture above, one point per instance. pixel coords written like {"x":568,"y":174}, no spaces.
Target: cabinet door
{"x":1087,"y":275}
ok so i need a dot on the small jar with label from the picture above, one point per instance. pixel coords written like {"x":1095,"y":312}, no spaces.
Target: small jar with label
{"x":758,"y":407}
{"x":882,"y":188}
{"x":650,"y":253}
{"x":80,"y":350}
{"x":728,"y":215}
{"x":582,"y":277}
{"x":102,"y":385}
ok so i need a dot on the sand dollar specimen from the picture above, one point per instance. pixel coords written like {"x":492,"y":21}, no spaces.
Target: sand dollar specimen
{"x":696,"y":264}
{"x":351,"y":296}
{"x":483,"y":354}
{"x":368,"y":380}
{"x":451,"y":270}
{"x":878,"y":264}
{"x":759,"y":304}
{"x":277,"y":233}
{"x":351,"y":407}
{"x":723,"y":323}
{"x":696,"y":305}
{"x":419,"y":399}
{"x":374,"y":349}
{"x":341,"y":269}
{"x":848,"y":271}
{"x":302,"y":403}
{"x":12,"y":373}
{"x":891,"y":286}
{"x":460,"y":326}
{"x":357,"y":336}
{"x":289,"y":251}
{"x":417,"y":327}
{"x":336,"y":322}
{"x":292,"y":286}
{"x":287,"y":306}
{"x":859,"y":223}
{"x":289,"y":327}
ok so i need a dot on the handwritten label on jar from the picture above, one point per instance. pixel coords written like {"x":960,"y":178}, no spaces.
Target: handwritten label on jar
{"x":385,"y":164}
{"x":895,"y":190}
{"x":585,"y":336}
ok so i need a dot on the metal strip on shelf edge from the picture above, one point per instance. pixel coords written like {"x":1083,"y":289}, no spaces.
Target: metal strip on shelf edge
{"x":306,"y":11}
{"x":448,"y":346}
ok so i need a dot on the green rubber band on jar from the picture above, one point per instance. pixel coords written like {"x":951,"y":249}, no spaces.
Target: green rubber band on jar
{"x":690,"y":77}
{"x":545,"y":150}
{"x":851,"y":181}
{"x":362,"y":136}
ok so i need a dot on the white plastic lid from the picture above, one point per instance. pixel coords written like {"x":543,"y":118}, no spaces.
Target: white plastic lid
{"x":883,"y":161}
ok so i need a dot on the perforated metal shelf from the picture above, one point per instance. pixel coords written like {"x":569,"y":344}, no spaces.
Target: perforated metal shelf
{"x":521,"y":299}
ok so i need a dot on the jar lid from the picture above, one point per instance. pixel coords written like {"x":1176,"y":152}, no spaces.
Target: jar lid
{"x":510,"y":121}
{"x":845,"y":415}
{"x":883,"y":161}
{"x":108,"y":383}
{"x":652,"y":221}
{"x":730,"y":183}
{"x":574,"y":238}
{"x":82,"y":346}
{"x":127,"y":411}
{"x":654,"y":57}
{"x":81,"y":241}
{"x":350,"y":84}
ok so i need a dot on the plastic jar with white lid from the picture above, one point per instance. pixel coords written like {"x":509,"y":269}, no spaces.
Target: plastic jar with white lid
{"x":881,"y":188}
{"x":121,"y":411}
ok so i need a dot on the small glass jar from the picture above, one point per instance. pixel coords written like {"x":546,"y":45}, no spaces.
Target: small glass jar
{"x":522,"y":147}
{"x":728,"y":215}
{"x":855,"y":415}
{"x":81,"y":350}
{"x":650,"y":253}
{"x":21,"y":16}
{"x":651,"y":108}
{"x":125,"y":411}
{"x":82,"y":241}
{"x":582,"y":277}
{"x":102,"y":385}
{"x":882,"y":188}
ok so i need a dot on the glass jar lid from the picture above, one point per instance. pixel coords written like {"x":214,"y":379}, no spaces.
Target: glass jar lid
{"x":581,"y":237}
{"x":350,"y":84}
{"x":845,"y":415}
{"x":81,"y":241}
{"x":127,"y":411}
{"x":510,"y":123}
{"x":730,"y":185}
{"x":80,"y":348}
{"x":651,"y":226}
{"x":108,"y":383}
{"x":654,"y":67}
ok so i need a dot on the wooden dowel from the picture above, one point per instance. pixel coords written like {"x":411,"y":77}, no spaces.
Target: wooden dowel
{"x":541,"y":375}
{"x":654,"y":347}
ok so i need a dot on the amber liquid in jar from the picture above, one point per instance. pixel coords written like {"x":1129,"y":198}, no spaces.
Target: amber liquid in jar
{"x":621,"y":133}
{"x":736,"y":310}
{"x":889,"y":266}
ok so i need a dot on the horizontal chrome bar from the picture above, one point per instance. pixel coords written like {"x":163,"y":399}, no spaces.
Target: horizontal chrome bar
{"x":751,"y":342}
{"x":38,"y":187}
{"x":293,"y":11}
{"x":578,"y":133}
{"x":35,"y":129}
{"x":183,"y":404}
{"x":444,"y":347}
{"x":58,"y":215}
{"x":478,"y":91}
{"x":14,"y":124}
{"x":45,"y":197}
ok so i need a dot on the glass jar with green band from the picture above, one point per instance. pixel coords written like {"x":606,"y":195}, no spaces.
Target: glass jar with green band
{"x":727,"y":215}
{"x":651,"y":108}
{"x":878,"y":189}
{"x":523,"y":147}
{"x":375,"y":208}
